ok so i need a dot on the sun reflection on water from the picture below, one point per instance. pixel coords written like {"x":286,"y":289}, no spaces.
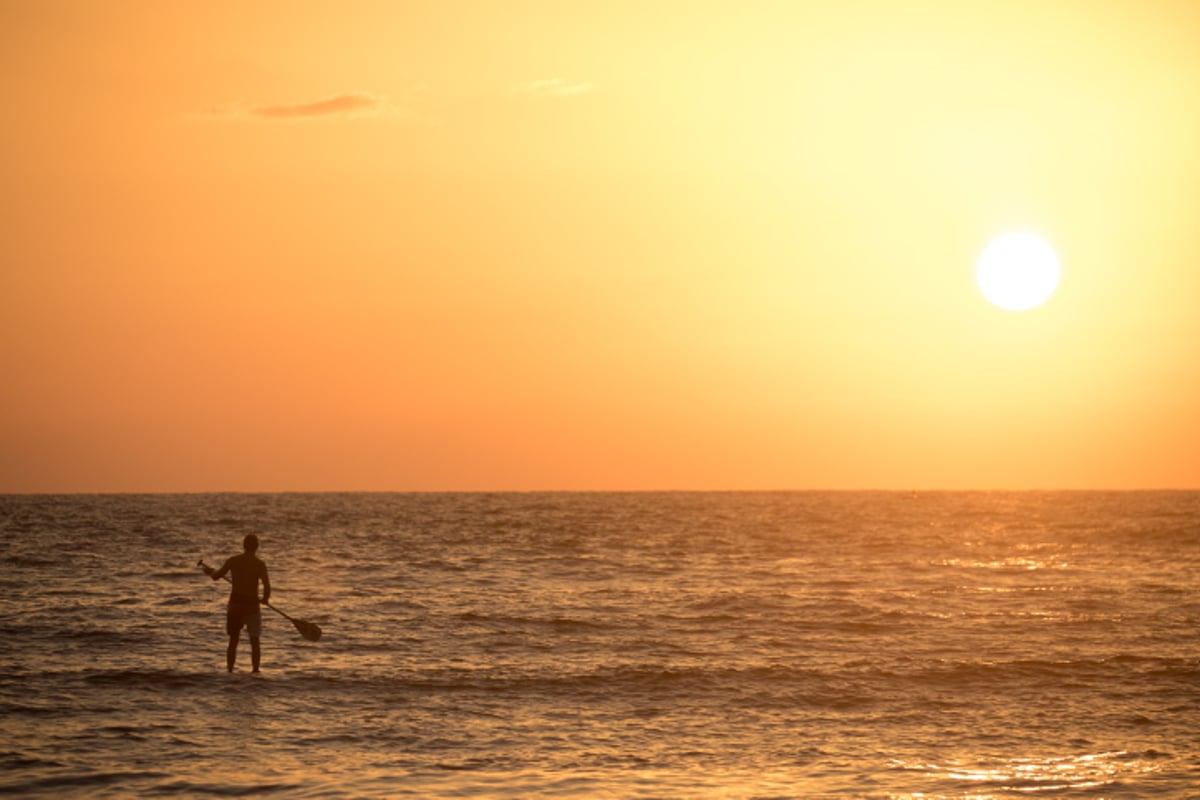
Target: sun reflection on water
{"x":1010,"y":562}
{"x":989,"y":781}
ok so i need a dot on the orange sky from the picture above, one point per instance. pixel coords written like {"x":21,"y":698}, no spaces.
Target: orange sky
{"x":610,"y":245}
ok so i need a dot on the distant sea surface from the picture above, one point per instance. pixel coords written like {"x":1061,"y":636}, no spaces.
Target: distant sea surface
{"x":743,"y":645}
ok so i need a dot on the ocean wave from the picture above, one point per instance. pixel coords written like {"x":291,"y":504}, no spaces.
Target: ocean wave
{"x":1047,"y":675}
{"x":769,"y":686}
{"x":186,"y":788}
{"x":13,"y":760}
{"x":559,"y":623}
{"x":73,"y":781}
{"x":31,"y":562}
{"x":71,"y":630}
{"x":763,"y":687}
{"x":151,"y":679}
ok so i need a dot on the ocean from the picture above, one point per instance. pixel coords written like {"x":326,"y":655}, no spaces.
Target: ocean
{"x":607,"y":645}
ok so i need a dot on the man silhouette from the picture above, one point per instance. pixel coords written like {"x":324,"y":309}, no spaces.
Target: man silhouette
{"x":246,"y":569}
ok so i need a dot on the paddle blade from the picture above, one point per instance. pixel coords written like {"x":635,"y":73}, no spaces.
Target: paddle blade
{"x":309,"y":630}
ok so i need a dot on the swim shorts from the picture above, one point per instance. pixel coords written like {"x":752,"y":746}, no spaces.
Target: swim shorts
{"x":243,"y":612}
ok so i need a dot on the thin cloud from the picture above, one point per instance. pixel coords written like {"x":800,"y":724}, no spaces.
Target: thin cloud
{"x":555,"y":87}
{"x":341,"y":105}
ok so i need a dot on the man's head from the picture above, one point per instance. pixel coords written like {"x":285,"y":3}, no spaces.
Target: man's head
{"x":250,"y":543}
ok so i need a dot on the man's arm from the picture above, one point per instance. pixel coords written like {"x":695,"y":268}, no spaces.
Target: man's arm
{"x":220,"y":573}
{"x":266,"y":582}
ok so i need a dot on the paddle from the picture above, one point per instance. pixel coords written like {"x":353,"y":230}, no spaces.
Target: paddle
{"x":309,"y":630}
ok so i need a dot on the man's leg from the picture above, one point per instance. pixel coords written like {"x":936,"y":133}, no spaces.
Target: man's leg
{"x":255,"y":652}
{"x":231,"y":653}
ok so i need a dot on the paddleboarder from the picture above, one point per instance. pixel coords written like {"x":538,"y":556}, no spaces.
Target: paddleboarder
{"x":247,"y":569}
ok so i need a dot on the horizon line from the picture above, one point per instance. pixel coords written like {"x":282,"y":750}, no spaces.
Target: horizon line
{"x":167,"y":493}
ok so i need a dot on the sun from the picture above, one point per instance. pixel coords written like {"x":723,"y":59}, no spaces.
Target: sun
{"x":1017,"y":271}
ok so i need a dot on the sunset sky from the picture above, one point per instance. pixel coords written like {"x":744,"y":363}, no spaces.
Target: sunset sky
{"x":598,"y":245}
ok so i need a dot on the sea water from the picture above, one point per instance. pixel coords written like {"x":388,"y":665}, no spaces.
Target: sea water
{"x":742,"y":645}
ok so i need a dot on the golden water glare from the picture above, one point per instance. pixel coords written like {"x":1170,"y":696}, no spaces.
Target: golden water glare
{"x":1035,"y":774}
